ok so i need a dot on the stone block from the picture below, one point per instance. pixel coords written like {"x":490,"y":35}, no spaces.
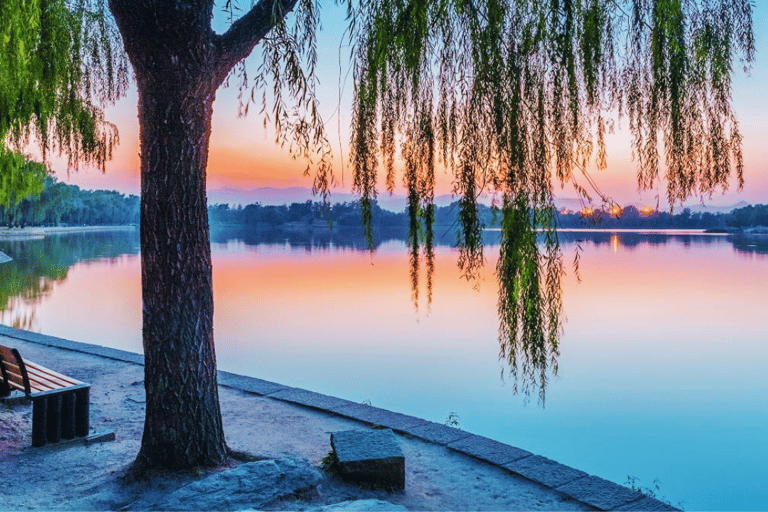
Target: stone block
{"x":370,"y":457}
{"x":437,"y":433}
{"x":248,"y":384}
{"x":600,"y":493}
{"x":488,"y":450}
{"x":545,"y":471}
{"x":309,"y":398}
{"x":647,"y":503}
{"x":377,"y":416}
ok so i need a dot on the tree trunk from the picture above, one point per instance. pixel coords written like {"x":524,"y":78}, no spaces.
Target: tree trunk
{"x":179,"y":63}
{"x":183,"y":425}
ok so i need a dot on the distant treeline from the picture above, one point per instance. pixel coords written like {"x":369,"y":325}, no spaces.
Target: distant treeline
{"x":344,"y":215}
{"x":310,"y":213}
{"x":632,"y":218}
{"x":61,"y":204}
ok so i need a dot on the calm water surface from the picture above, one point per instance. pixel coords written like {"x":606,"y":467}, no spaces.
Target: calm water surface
{"x":662,"y":367}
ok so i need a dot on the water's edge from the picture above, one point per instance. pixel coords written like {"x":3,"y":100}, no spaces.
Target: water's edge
{"x":589,"y":489}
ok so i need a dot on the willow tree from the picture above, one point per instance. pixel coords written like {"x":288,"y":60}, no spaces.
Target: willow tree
{"x":515,"y":96}
{"x":61,"y":63}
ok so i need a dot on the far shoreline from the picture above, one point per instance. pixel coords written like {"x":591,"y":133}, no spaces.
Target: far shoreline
{"x":40,"y":231}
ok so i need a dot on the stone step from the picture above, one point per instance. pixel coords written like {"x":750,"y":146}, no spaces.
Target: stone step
{"x":370,"y":457}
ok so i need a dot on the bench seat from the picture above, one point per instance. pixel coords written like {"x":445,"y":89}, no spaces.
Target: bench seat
{"x":60,"y":404}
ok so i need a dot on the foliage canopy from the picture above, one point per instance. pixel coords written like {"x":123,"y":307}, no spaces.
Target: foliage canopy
{"x":61,"y":61}
{"x":512,"y":95}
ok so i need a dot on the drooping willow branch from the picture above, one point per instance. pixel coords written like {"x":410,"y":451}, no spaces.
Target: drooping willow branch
{"x":511,"y":97}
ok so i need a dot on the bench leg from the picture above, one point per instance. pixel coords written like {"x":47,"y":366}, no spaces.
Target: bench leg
{"x":54,"y":418}
{"x":39,"y":417}
{"x":68,"y":416}
{"x":82,"y":411}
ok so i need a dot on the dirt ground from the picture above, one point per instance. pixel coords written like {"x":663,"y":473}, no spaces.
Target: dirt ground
{"x":90,"y":477}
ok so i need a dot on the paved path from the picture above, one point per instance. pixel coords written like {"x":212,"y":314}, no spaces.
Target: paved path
{"x":568,"y":486}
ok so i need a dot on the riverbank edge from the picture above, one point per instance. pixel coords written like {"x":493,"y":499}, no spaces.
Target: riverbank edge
{"x":43,"y":231}
{"x":591,"y":490}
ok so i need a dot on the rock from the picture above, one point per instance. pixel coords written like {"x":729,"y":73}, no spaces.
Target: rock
{"x":250,"y":485}
{"x":370,"y":456}
{"x":361,"y":506}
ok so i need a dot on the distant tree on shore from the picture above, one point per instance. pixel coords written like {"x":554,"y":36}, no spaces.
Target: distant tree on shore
{"x":749,"y":216}
{"x":59,"y":203}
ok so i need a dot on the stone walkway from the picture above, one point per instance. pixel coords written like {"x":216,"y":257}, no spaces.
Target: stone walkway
{"x":571,"y":484}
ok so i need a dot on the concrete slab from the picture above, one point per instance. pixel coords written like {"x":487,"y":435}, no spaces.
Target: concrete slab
{"x":437,"y":433}
{"x":97,"y":436}
{"x":646,"y":503}
{"x":309,"y":398}
{"x":488,"y":450}
{"x":600,"y":493}
{"x":375,"y":416}
{"x":248,"y":384}
{"x":370,"y":457}
{"x":545,"y":471}
{"x":88,"y":348}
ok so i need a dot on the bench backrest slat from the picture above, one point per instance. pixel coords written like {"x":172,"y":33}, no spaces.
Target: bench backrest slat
{"x":14,"y":369}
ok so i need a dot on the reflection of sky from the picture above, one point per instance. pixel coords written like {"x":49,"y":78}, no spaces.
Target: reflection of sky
{"x":662,"y":367}
{"x":243,"y":156}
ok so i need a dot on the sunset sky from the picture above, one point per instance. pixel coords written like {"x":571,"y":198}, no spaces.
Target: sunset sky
{"x":243,"y":155}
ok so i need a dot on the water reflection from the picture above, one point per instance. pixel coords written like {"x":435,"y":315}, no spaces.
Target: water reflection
{"x":752,"y":245}
{"x":664,"y":344}
{"x":41,"y":262}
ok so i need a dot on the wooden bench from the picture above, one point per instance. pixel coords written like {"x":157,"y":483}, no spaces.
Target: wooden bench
{"x":60,"y":404}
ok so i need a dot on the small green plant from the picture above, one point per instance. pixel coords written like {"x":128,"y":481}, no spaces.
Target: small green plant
{"x":652,"y":492}
{"x":330,"y":462}
{"x":452,"y":420}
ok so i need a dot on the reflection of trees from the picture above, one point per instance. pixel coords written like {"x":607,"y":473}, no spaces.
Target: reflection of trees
{"x":308,"y":238}
{"x":530,"y":355}
{"x":40,"y":263}
{"x":750,"y":244}
{"x":631,"y":241}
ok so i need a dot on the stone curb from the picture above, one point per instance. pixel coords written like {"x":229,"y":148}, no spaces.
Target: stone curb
{"x":591,"y":490}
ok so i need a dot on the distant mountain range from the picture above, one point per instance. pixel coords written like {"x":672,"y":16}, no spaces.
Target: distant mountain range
{"x":274,"y":196}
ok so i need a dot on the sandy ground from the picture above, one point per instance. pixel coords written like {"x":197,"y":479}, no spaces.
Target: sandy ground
{"x":89,"y":477}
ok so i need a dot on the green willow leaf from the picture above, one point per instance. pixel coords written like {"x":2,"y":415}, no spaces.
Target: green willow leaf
{"x":513,"y":95}
{"x":61,"y":61}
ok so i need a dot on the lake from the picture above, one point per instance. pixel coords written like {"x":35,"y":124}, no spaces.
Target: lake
{"x":662,"y":366}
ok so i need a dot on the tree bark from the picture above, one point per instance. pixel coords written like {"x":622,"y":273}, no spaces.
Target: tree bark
{"x":168,"y":45}
{"x":179,"y":63}
{"x":183,"y":424}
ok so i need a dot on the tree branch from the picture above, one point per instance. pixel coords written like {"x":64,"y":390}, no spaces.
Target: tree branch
{"x":245,"y":33}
